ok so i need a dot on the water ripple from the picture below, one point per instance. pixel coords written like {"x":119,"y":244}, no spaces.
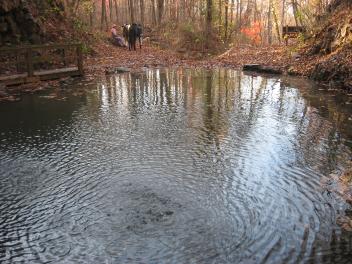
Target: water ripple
{"x":180,"y":167}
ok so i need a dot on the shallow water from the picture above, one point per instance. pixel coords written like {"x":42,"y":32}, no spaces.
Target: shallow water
{"x":175,"y":166}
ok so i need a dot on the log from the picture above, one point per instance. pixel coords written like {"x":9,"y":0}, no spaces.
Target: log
{"x":262,"y":69}
{"x":251,"y":67}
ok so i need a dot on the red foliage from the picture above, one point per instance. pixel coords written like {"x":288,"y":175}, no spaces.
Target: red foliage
{"x":253,"y":32}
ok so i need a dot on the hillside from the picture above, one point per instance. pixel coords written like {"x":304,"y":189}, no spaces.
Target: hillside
{"x":328,"y":55}
{"x":32,"y":21}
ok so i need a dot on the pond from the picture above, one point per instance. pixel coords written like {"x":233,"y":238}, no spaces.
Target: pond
{"x":175,"y":166}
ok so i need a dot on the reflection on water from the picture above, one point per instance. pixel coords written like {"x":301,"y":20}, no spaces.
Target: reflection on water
{"x":171,"y":166}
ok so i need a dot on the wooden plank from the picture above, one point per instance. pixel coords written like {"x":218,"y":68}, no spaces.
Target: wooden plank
{"x":30,"y":69}
{"x":51,"y":46}
{"x":18,"y":61}
{"x":31,"y":75}
{"x":10,"y":77}
{"x":80,"y":59}
{"x":39,"y":75}
{"x":64,"y":57}
{"x":13,"y":79}
{"x":56,"y":71}
{"x":54,"y":76}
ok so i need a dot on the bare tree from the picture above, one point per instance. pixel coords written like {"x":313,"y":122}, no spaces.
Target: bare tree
{"x":209,"y":22}
{"x":116,"y":11}
{"x":104,"y":17}
{"x":131,"y":9}
{"x":160,"y":10}
{"x":141,"y":2}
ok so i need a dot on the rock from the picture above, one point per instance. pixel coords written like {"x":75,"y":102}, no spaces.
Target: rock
{"x":168,"y":212}
{"x":291,"y":71}
{"x":296,"y":56}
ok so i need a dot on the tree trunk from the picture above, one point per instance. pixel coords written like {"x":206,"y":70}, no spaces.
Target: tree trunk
{"x":69,"y":7}
{"x":160,"y":10}
{"x":103,"y":15}
{"x":153,"y":13}
{"x":238,"y":16}
{"x":276,"y":21}
{"x":142,"y":11}
{"x":295,"y":12}
{"x":232,"y":9}
{"x":269,"y":23}
{"x":283,"y":14}
{"x":76,"y":6}
{"x":116,"y":11}
{"x":131,"y":7}
{"x":220,"y":15}
{"x":226,"y":18}
{"x":110,"y":10}
{"x":209,"y":22}
{"x":92,"y":15}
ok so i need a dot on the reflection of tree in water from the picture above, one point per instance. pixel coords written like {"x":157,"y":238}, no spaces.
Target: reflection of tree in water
{"x":216,"y":100}
{"x":313,"y":133}
{"x":210,"y":117}
{"x":222,"y":115}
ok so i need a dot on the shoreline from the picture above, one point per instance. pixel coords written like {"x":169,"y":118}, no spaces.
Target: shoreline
{"x":108,"y":58}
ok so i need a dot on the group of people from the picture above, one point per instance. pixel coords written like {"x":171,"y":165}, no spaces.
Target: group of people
{"x":130,"y":32}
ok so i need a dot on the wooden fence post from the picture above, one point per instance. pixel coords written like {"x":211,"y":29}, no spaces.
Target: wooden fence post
{"x":30,"y":69}
{"x":18,"y":61}
{"x":64,"y":56}
{"x":80,"y":59}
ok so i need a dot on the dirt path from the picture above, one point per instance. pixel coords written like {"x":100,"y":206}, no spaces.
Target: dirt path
{"x":334,"y":69}
{"x":109,"y":56}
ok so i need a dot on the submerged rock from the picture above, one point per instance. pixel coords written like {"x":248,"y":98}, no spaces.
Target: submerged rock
{"x":292,"y":71}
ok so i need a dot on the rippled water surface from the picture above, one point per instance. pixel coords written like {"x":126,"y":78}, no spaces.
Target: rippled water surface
{"x":175,"y":166}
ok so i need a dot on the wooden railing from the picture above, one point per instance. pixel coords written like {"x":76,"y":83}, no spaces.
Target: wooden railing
{"x":25,"y":63}
{"x":291,"y":32}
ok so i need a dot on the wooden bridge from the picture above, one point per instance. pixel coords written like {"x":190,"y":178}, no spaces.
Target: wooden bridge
{"x":33,"y":63}
{"x":291,"y":32}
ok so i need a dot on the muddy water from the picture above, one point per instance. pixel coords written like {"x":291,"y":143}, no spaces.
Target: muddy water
{"x":169,"y":166}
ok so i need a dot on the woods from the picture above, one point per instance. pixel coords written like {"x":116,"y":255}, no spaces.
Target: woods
{"x":257,"y":22}
{"x":224,"y":22}
{"x":301,"y":33}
